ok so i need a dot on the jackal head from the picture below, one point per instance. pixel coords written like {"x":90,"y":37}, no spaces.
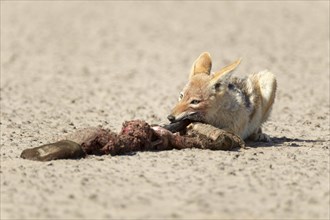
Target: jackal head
{"x":203,"y":92}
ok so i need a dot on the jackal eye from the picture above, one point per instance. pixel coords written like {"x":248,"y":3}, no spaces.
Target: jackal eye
{"x":195,"y":102}
{"x":181,"y":96}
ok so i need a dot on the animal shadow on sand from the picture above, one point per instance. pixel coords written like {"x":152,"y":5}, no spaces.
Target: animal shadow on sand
{"x":275,"y":142}
{"x":281,"y":141}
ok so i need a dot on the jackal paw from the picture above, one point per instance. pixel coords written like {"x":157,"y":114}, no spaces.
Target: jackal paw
{"x":262,"y":137}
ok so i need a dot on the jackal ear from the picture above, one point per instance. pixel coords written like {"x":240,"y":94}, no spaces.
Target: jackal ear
{"x":203,"y":64}
{"x":226,"y":72}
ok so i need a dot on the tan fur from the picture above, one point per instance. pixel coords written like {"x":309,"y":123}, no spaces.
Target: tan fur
{"x":230,"y":103}
{"x":226,"y":69}
{"x":202,"y":65}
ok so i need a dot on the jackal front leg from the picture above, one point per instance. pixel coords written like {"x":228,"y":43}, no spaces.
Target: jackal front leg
{"x":259,"y":136}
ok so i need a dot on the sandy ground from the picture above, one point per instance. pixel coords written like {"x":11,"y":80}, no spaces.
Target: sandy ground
{"x":66,"y":66}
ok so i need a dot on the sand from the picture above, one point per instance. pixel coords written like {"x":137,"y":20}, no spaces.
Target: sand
{"x":70,"y":65}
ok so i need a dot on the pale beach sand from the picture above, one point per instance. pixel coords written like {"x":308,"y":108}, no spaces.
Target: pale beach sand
{"x":69,"y":65}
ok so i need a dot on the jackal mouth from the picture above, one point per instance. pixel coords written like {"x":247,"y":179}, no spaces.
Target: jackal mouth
{"x":177,"y":126}
{"x":180,"y":123}
{"x":192,"y":117}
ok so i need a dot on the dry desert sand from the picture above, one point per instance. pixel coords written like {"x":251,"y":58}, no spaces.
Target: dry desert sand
{"x":69,"y":65}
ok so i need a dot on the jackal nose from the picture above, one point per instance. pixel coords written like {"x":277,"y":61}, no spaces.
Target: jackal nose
{"x":171,"y":118}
